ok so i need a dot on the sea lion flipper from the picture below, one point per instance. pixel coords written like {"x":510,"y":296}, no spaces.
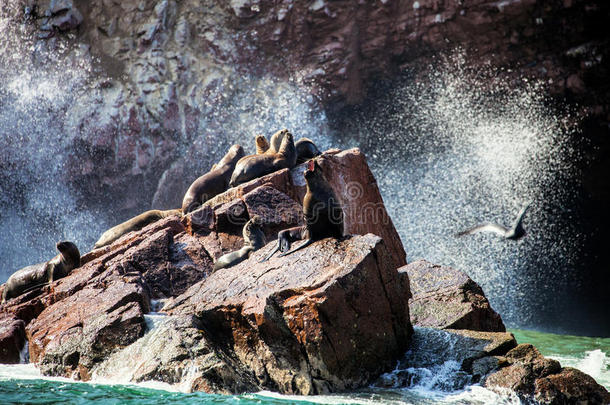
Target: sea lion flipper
{"x":275,"y":249}
{"x":301,"y":246}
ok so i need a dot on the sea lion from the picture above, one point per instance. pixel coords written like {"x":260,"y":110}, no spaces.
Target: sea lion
{"x":262,"y":144}
{"x":306,"y":150}
{"x":276,"y":140}
{"x":254,"y":166}
{"x":254,"y":239}
{"x":515,"y":232}
{"x":322,"y":213}
{"x":37,"y":275}
{"x":212,"y":183}
{"x":134,"y":224}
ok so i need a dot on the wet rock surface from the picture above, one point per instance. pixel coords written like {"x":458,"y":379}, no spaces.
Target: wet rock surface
{"x":447,"y":298}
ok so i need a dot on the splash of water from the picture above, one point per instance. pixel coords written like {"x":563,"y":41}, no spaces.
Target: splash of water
{"x":459,"y":147}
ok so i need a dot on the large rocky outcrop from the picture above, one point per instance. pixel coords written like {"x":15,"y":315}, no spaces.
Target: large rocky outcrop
{"x":302,"y":324}
{"x":447,"y":298}
{"x":327,"y":318}
{"x":331,"y":317}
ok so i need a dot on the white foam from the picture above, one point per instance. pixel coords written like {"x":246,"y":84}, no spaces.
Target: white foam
{"x":596,"y":363}
{"x":24,"y":354}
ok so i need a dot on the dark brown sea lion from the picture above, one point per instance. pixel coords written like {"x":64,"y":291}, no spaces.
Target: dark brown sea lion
{"x":262,"y":144}
{"x":40,"y":274}
{"x":212,"y":183}
{"x":134,"y":224}
{"x":306,"y":150}
{"x":254,"y":166}
{"x":321,"y":211}
{"x":254,"y":239}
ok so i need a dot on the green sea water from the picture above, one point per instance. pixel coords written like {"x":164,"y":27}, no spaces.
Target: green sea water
{"x":21,"y":384}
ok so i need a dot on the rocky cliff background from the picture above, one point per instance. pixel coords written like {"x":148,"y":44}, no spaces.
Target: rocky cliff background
{"x":110,"y":108}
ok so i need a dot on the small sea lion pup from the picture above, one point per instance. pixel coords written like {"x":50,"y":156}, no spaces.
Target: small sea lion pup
{"x":214,"y":182}
{"x":37,"y":275}
{"x":254,"y":239}
{"x":134,"y":224}
{"x":262,"y":144}
{"x":254,"y":166}
{"x":306,"y":150}
{"x":321,"y":211}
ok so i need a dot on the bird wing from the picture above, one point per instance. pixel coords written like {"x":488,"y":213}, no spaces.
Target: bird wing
{"x":520,"y":216}
{"x":500,"y":230}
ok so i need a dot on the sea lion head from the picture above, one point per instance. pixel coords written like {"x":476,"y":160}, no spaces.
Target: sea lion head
{"x":236,"y":152}
{"x":313,"y":170}
{"x":262,"y":145}
{"x":306,"y":150}
{"x":288,"y":150}
{"x":69,"y":252}
{"x":256,"y":220}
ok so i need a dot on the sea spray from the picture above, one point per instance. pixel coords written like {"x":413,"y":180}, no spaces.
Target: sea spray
{"x":455,"y":146}
{"x":121,"y":366}
{"x":24,"y":354}
{"x":432,"y":363}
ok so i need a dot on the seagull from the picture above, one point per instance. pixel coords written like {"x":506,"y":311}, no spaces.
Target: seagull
{"x":515,"y":232}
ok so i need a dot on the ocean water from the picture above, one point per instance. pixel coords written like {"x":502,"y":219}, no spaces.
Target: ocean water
{"x":23,"y":384}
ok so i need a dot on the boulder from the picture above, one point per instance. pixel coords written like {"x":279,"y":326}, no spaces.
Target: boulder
{"x":327,"y":318}
{"x":531,"y":375}
{"x":570,"y":386}
{"x":12,"y":339}
{"x":447,"y":298}
{"x":70,"y":336}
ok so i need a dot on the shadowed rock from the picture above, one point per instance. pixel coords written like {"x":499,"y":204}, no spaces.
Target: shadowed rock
{"x":12,"y":339}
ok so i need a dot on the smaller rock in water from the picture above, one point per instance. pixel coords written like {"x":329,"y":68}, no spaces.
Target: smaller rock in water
{"x":447,"y":298}
{"x":12,"y":339}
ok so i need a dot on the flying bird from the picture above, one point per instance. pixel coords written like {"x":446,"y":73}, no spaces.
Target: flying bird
{"x":515,"y":232}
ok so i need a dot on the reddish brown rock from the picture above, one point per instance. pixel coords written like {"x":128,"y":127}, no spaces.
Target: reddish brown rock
{"x":531,"y":375}
{"x":447,"y":298}
{"x":277,"y":198}
{"x":12,"y":339}
{"x":68,"y":337}
{"x":326,"y":318}
{"x":75,"y":322}
{"x":570,"y":386}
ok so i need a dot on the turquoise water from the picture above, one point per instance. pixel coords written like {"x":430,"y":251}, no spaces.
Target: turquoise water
{"x":22,"y":384}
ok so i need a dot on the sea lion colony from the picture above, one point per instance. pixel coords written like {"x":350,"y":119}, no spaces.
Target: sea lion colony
{"x":233,"y":169}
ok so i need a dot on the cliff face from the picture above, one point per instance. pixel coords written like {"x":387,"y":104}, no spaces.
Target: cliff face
{"x":162,"y":68}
